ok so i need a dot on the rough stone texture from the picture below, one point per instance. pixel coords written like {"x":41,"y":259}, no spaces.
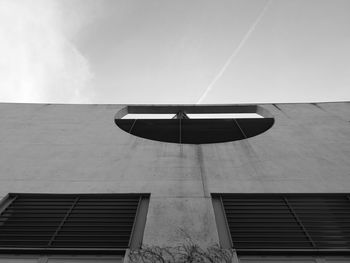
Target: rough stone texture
{"x":78,"y":149}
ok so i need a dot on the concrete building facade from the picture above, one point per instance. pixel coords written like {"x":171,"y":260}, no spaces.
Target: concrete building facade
{"x":69,"y":149}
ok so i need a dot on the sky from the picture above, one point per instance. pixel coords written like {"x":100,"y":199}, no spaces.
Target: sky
{"x":174,"y":51}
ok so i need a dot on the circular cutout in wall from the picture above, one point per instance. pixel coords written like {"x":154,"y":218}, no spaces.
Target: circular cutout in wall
{"x":194,"y":124}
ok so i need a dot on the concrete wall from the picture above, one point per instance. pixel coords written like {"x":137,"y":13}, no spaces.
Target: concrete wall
{"x":78,"y":149}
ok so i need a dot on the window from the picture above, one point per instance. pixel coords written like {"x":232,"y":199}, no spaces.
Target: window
{"x":81,"y":224}
{"x":194,"y":124}
{"x":59,"y":259}
{"x":294,"y":259}
{"x":284,"y":223}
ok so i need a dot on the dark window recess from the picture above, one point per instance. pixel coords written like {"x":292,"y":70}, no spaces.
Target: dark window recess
{"x":314,"y":222}
{"x":195,"y":131}
{"x":69,"y":221}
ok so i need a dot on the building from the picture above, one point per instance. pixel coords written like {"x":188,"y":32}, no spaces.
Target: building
{"x":69,"y":175}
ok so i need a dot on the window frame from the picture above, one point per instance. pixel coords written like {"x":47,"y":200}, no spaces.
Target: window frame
{"x":226,"y":240}
{"x":195,"y":131}
{"x":135,"y":238}
{"x":39,"y":258}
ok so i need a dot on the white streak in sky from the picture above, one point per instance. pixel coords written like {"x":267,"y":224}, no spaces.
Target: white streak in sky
{"x":235,"y":51}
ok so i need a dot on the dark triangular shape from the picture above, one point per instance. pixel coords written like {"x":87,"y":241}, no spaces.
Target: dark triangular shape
{"x":181,"y":115}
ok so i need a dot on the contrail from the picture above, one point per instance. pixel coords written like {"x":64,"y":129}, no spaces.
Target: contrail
{"x":235,"y":51}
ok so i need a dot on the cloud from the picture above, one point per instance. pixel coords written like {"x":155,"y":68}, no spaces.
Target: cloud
{"x":38,"y":60}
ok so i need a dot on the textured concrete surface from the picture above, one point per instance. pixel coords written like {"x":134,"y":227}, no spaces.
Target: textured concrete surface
{"x":78,"y":149}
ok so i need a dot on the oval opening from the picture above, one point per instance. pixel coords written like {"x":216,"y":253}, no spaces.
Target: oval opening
{"x":194,"y":124}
